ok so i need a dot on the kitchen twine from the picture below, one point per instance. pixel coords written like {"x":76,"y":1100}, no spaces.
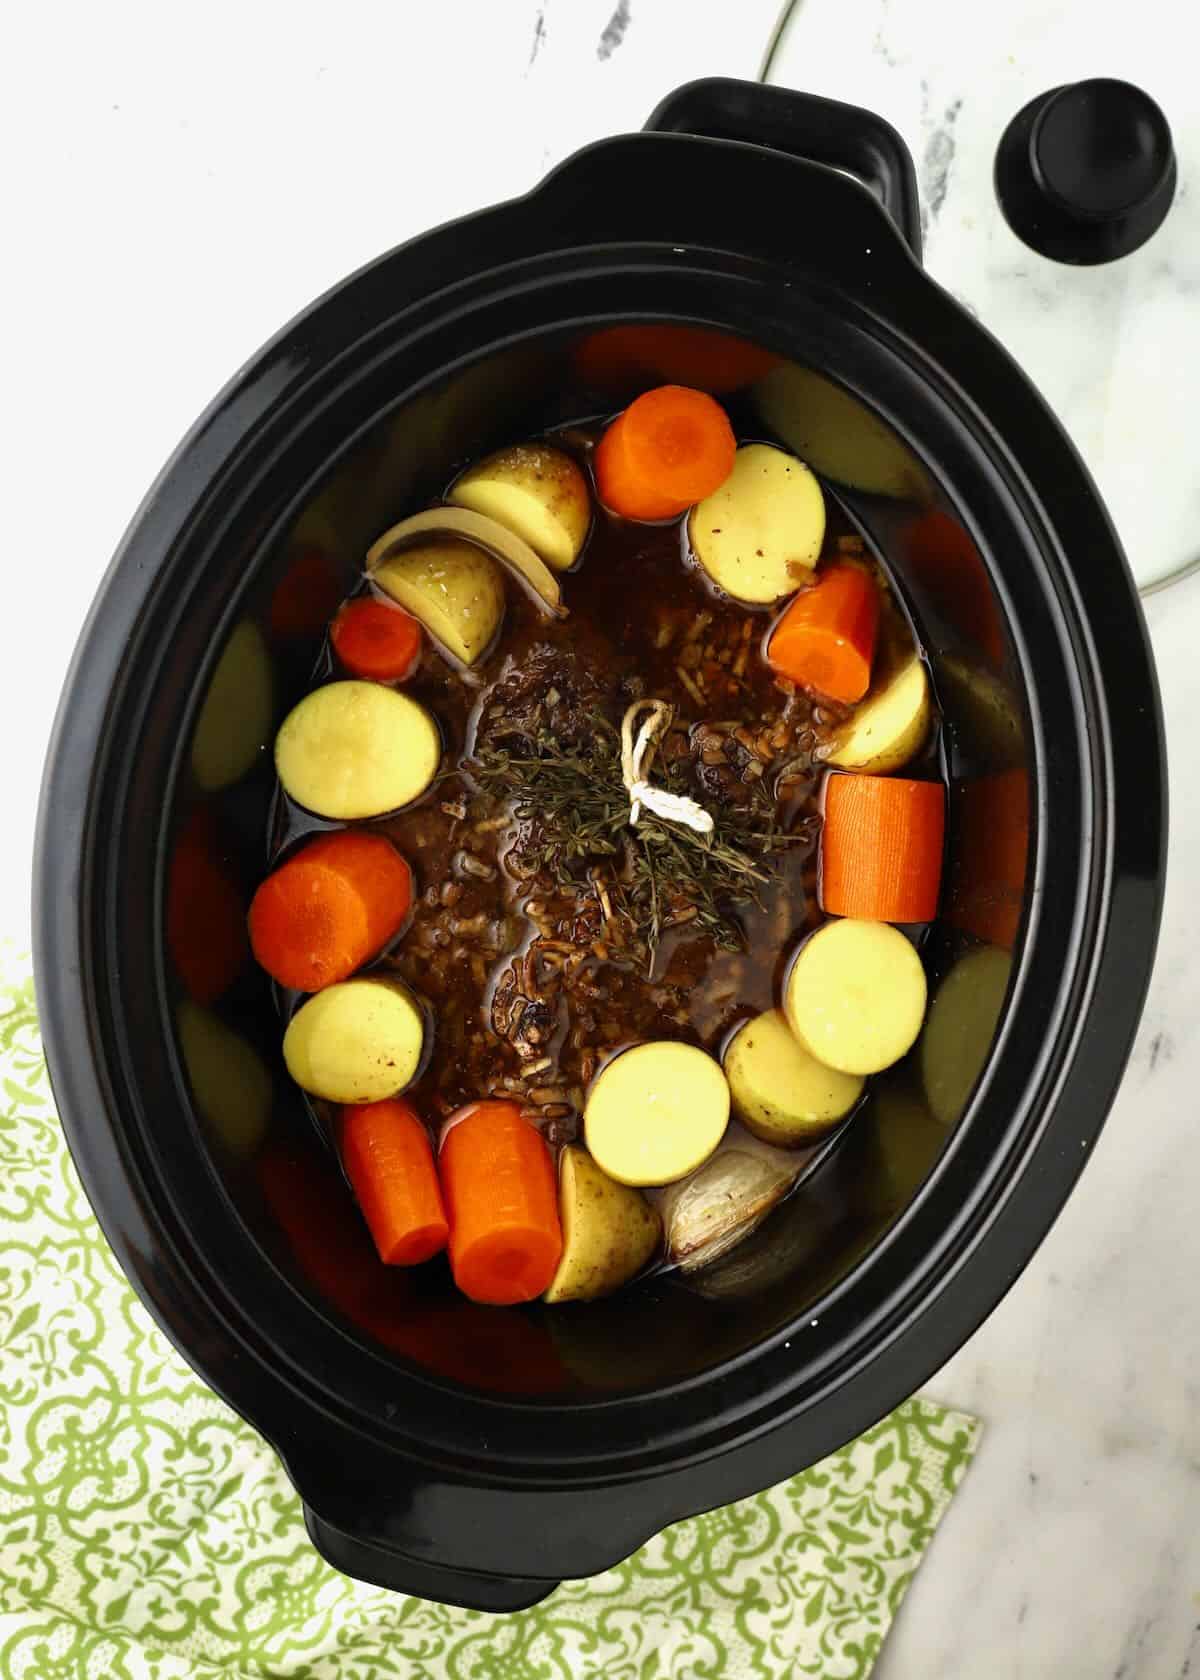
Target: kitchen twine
{"x":637,"y":754}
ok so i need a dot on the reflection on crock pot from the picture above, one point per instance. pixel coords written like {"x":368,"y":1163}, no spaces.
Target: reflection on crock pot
{"x":961,"y":1025}
{"x":642,"y":1337}
{"x":950,"y":582}
{"x":231,"y":1083}
{"x":987,"y":728}
{"x":622,"y":362}
{"x":990,"y":820}
{"x":206,"y":918}
{"x":307,"y":594}
{"x":785,"y":1252}
{"x":417,"y":451}
{"x":838,"y":435}
{"x":237,"y":714}
{"x":906,"y":1135}
{"x":328,"y":1242}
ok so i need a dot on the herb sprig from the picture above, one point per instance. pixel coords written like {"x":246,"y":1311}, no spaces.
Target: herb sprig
{"x":573,"y":801}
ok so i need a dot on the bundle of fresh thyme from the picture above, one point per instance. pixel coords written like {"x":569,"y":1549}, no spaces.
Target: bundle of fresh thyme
{"x":574,"y":803}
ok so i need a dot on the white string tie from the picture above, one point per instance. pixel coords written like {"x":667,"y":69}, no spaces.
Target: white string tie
{"x":637,"y":754}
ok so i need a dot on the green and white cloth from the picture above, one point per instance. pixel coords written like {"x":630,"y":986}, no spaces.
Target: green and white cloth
{"x":147,"y":1533}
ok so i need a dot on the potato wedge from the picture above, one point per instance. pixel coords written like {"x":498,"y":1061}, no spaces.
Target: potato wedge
{"x":855,"y":996}
{"x":513,"y":553}
{"x":889,"y":727}
{"x":452,"y":588}
{"x":962,"y":1023}
{"x":234,"y":725}
{"x":231,"y":1084}
{"x":536,"y":492}
{"x":609,"y":1230}
{"x":759,"y":536}
{"x":656,"y":1113}
{"x":356,"y":1042}
{"x":780,"y":1092}
{"x":356,"y":749}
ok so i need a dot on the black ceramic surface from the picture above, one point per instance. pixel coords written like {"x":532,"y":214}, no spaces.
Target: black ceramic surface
{"x":869,"y":1278}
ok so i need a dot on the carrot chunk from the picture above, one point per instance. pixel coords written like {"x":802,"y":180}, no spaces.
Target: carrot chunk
{"x":502,"y":1202}
{"x":376,"y":640}
{"x":881,"y":848}
{"x":826,"y":638}
{"x":389,"y":1161}
{"x":670,"y":448}
{"x":324,"y":912}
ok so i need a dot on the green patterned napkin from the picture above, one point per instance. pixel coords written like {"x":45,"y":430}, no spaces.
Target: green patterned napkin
{"x":147,"y":1533}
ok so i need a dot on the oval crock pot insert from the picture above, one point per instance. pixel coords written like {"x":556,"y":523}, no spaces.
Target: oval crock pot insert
{"x":664,"y":1329}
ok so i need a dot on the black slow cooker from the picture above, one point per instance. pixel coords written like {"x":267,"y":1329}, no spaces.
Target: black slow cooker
{"x":791,"y":223}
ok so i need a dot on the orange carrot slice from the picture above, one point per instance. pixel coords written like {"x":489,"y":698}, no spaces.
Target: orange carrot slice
{"x":389,"y":1161}
{"x":321,"y":914}
{"x":376,"y":640}
{"x":826,"y":638}
{"x":881,"y":848}
{"x":502,"y":1202}
{"x":670,"y":448}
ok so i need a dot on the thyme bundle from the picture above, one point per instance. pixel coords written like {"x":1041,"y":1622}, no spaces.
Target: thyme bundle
{"x":571,"y":797}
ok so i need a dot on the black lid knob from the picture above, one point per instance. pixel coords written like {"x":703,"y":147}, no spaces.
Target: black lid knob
{"x":1086,"y":173}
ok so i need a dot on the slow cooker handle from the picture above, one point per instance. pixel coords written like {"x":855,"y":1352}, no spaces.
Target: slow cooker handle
{"x":820,"y":130}
{"x":368,"y":1558}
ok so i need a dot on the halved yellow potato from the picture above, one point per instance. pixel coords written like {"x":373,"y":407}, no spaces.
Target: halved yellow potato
{"x":962,"y":1023}
{"x":512,"y":552}
{"x":656,"y":1113}
{"x":889,"y":727}
{"x":453,"y":588}
{"x":230,"y":1082}
{"x":235,"y":719}
{"x":710,"y":1212}
{"x":538,"y":493}
{"x":780,"y":1092}
{"x":759,"y":536}
{"x":855,"y":996}
{"x":356,"y":1042}
{"x":609,"y":1230}
{"x":356,"y":749}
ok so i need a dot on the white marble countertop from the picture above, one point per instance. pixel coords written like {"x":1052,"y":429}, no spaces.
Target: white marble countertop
{"x":187,"y":180}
